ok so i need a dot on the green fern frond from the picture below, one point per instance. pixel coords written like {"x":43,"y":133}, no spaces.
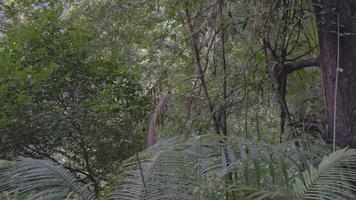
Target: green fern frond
{"x":189,"y":170}
{"x":42,"y":179}
{"x":160,"y":169}
{"x":334,"y":178}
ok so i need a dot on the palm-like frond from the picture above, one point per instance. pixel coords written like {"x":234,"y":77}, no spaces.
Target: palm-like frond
{"x":42,"y":179}
{"x":334,"y":178}
{"x":191,"y":169}
{"x":204,"y":166}
{"x":155,"y":171}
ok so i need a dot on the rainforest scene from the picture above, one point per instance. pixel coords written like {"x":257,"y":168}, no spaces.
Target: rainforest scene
{"x":177,"y":99}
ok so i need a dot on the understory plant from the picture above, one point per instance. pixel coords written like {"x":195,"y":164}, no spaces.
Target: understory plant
{"x":204,"y":167}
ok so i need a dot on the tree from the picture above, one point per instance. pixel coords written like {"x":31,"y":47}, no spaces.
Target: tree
{"x":63,"y":102}
{"x":76,"y":85}
{"x":336,"y":30}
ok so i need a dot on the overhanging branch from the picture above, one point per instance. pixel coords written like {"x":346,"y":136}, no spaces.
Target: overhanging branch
{"x":291,"y":67}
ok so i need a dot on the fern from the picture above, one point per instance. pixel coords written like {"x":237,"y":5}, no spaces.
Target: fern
{"x":194,"y":168}
{"x":207,"y":166}
{"x":42,"y":179}
{"x":334,"y":178}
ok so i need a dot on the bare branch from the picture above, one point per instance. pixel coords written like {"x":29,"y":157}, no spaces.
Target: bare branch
{"x":196,"y":51}
{"x":291,"y":67}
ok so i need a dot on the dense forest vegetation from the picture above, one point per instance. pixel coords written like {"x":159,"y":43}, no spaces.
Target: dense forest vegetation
{"x":177,"y":99}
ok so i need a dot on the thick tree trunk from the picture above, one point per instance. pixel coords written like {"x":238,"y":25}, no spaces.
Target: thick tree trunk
{"x":330,"y":15}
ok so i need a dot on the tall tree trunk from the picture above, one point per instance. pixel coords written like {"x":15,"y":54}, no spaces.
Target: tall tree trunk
{"x":330,"y":15}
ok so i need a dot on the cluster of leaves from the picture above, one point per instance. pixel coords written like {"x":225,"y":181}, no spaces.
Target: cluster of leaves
{"x":62,"y":101}
{"x":205,"y":167}
{"x":73,"y":94}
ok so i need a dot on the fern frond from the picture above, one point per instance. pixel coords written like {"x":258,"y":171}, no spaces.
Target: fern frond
{"x":190,"y":169}
{"x":334,"y":178}
{"x":162,"y":166}
{"x":42,"y":179}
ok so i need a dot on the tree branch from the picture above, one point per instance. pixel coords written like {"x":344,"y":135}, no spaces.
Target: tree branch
{"x":291,"y":67}
{"x":196,"y":51}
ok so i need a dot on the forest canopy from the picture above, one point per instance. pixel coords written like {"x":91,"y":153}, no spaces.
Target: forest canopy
{"x":185,"y":99}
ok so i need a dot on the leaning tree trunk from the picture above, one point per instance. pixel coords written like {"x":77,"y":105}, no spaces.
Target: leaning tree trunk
{"x":156,"y":116}
{"x":330,"y":15}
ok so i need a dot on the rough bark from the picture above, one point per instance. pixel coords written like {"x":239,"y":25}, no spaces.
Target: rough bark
{"x":224,"y":65}
{"x":327,"y":14}
{"x":156,"y":116}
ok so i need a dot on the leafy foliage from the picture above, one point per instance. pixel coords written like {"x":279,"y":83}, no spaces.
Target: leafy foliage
{"x":333,"y":179}
{"x":41,"y":179}
{"x":208,"y":167}
{"x":79,"y":77}
{"x":199,"y":168}
{"x":60,"y":100}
